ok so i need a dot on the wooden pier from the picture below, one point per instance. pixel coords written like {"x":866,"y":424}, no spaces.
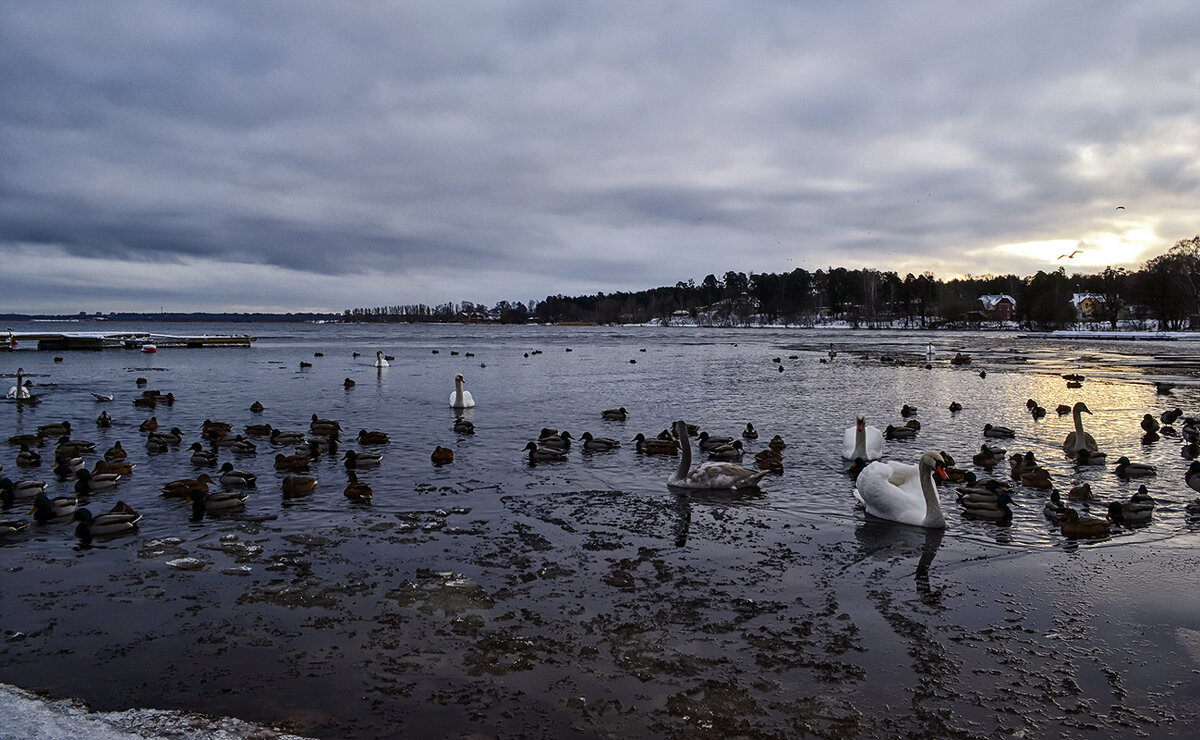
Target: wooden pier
{"x":95,"y":341}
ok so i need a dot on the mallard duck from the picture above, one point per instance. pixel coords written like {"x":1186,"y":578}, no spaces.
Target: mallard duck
{"x":256,"y":408}
{"x":1079,"y":439}
{"x":149,"y":425}
{"x":20,"y":490}
{"x":295,"y":485}
{"x":201,"y":456}
{"x":116,"y":452}
{"x":544,"y":454}
{"x":707,"y":442}
{"x":1037,"y":478}
{"x":1082,"y":492}
{"x":1171,"y":416}
{"x":996,"y":511}
{"x":1062,"y":409}
{"x":462,"y":426}
{"x":32,"y":440}
{"x":991,"y":430}
{"x":1087,"y":457}
{"x":258,"y":430}
{"x":955,"y":407}
{"x":711,"y":475}
{"x":28,"y":457}
{"x":118,"y":520}
{"x":1192,"y":476}
{"x":120,"y":467}
{"x":1137,"y":510}
{"x":907,"y":411}
{"x":323,"y":427}
{"x":899,"y":433}
{"x":366,"y":437}
{"x":440,"y":456}
{"x":560,"y":441}
{"x":348,"y":383}
{"x":12,"y":526}
{"x":777,"y":443}
{"x":353,"y":459}
{"x":55,"y":430}
{"x":215,"y":429}
{"x":104,"y":421}
{"x":1190,"y":451}
{"x":173,"y":437}
{"x":217,"y":501}
{"x":234,"y":478}
{"x":184,"y":486}
{"x":985,"y":490}
{"x":749,"y":432}
{"x":862,"y":441}
{"x":356,"y":490}
{"x":1127,"y":469}
{"x":292,"y":462}
{"x":73,"y":447}
{"x":1022,"y":464}
{"x":615,"y":414}
{"x":727,"y":453}
{"x":598,"y":444}
{"x":65,"y":467}
{"x":1054,"y":506}
{"x":903,"y":493}
{"x":243,"y":446}
{"x":986,"y":457}
{"x":280,"y":437}
{"x":1077,"y":527}
{"x":47,"y":509}
{"x":656,"y":446}
{"x":1149,"y":424}
{"x":1037,"y":412}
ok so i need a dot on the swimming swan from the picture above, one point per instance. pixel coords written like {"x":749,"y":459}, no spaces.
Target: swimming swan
{"x":903,"y":493}
{"x":862,"y":441}
{"x":461,"y":399}
{"x":379,"y":361}
{"x":713,"y":475}
{"x":1079,"y":439}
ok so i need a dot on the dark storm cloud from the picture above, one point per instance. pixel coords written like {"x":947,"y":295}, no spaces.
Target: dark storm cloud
{"x":388,"y":153}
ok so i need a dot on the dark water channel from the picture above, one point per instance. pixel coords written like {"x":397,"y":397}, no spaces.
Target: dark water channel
{"x":583,"y":598}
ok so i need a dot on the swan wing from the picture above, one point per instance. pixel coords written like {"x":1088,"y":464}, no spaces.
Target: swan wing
{"x":892,"y":491}
{"x":848,"y":443}
{"x":874,"y":443}
{"x":719,"y":476}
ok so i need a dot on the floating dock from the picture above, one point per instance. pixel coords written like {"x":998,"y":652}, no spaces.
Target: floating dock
{"x":72,"y":340}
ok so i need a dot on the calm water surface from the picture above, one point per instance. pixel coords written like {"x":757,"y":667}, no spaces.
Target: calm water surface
{"x":583,"y":598}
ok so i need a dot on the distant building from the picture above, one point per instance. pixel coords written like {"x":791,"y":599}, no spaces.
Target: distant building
{"x":1088,"y":306}
{"x":998,"y":307}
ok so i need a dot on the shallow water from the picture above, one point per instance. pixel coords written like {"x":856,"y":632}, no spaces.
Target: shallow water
{"x":584,"y":598}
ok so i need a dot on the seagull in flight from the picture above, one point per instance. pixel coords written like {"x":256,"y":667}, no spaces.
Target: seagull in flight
{"x":1070,"y":256}
{"x":1120,"y":208}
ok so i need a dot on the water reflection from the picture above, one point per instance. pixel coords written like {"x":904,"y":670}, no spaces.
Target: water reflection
{"x":884,"y":540}
{"x":714,"y":500}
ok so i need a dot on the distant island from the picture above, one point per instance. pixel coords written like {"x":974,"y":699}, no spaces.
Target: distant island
{"x":195,"y":317}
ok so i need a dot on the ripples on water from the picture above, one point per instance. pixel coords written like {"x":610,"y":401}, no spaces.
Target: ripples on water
{"x":592,"y":530}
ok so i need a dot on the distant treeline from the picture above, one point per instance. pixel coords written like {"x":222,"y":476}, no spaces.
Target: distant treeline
{"x":1166,"y":289}
{"x":228,"y":318}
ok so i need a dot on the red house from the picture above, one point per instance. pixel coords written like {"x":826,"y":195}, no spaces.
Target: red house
{"x":998,"y":307}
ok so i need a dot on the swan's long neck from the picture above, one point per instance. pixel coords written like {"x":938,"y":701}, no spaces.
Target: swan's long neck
{"x":458,"y":392}
{"x":860,"y":442}
{"x":933,"y":510}
{"x":1079,"y":444}
{"x":685,"y":452}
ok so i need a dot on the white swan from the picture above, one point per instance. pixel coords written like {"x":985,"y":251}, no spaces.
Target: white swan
{"x":1079,"y":439}
{"x":929,"y":354}
{"x":461,"y":399}
{"x":713,"y":475}
{"x":19,"y":391}
{"x":862,"y":441}
{"x":379,"y":361}
{"x":903,"y":493}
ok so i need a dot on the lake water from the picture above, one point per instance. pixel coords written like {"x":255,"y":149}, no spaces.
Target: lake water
{"x":583,"y":598}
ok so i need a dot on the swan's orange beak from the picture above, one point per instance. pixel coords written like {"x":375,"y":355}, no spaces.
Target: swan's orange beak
{"x":860,"y":423}
{"x":941,"y":471}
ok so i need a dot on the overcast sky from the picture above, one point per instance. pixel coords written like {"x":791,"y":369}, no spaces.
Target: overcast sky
{"x":326,"y":155}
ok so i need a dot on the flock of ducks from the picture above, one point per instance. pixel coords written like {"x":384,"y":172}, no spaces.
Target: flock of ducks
{"x":907,"y":493}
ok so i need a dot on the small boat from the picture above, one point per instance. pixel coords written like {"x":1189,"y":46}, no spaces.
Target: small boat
{"x":149,"y":348}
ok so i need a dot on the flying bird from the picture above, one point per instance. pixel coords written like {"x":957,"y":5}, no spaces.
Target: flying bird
{"x":1120,"y":208}
{"x":1070,"y":256}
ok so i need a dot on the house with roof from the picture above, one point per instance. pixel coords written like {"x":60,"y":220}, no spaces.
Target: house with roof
{"x":1088,"y":306}
{"x":1002,"y":307}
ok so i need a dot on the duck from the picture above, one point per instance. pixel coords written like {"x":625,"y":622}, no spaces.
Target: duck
{"x":280,"y":437}
{"x":256,"y":408}
{"x":116,"y":452}
{"x":1077,"y":527}
{"x":243,"y":446}
{"x":234,"y":478}
{"x":215,"y":429}
{"x":899,"y":433}
{"x":173,"y":437}
{"x":1054,"y":506}
{"x":598,"y":444}
{"x":560,"y":441}
{"x":986,"y":490}
{"x":749,"y":432}
{"x":992,"y":430}
{"x":1190,"y":451}
{"x":728,"y":453}
{"x":441,"y":455}
{"x":28,"y":457}
{"x":461,"y":399}
{"x":184,"y":486}
{"x":88,"y":482}
{"x":155,"y":446}
{"x":544,"y":454}
{"x":121,"y":467}
{"x":656,"y":446}
{"x":1150,"y":425}
{"x":104,"y":421}
{"x":323,"y":427}
{"x":20,"y":490}
{"x":708,"y":442}
{"x":55,"y":429}
{"x":1079,"y":439}
{"x":996,"y":511}
{"x":348,"y":383}
{"x":1192,"y":476}
{"x":353,"y":459}
{"x":711,"y":475}
{"x":258,"y":430}
{"x":1037,"y":478}
{"x":65,"y":467}
{"x":356,"y":490}
{"x":955,"y":407}
{"x":986,"y":457}
{"x":1127,"y":469}
{"x":292,"y":462}
{"x":619,"y":414}
{"x":1082,"y":492}
{"x":32,"y":440}
{"x":1037,"y":412}
{"x":777,"y":443}
{"x":907,"y":411}
{"x":117,"y":520}
{"x":1022,"y":464}
{"x":201,"y":456}
{"x":1171,"y":416}
{"x":73,"y":447}
{"x":216,"y":501}
{"x":1137,"y":510}
{"x":295,"y":485}
{"x":47,"y":509}
{"x":862,"y":441}
{"x":149,"y":425}
{"x":373,"y":437}
{"x":903,"y":493}
{"x":1062,"y":409}
{"x":1087,"y":457}
{"x":463,"y":426}
{"x":379,"y":361}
